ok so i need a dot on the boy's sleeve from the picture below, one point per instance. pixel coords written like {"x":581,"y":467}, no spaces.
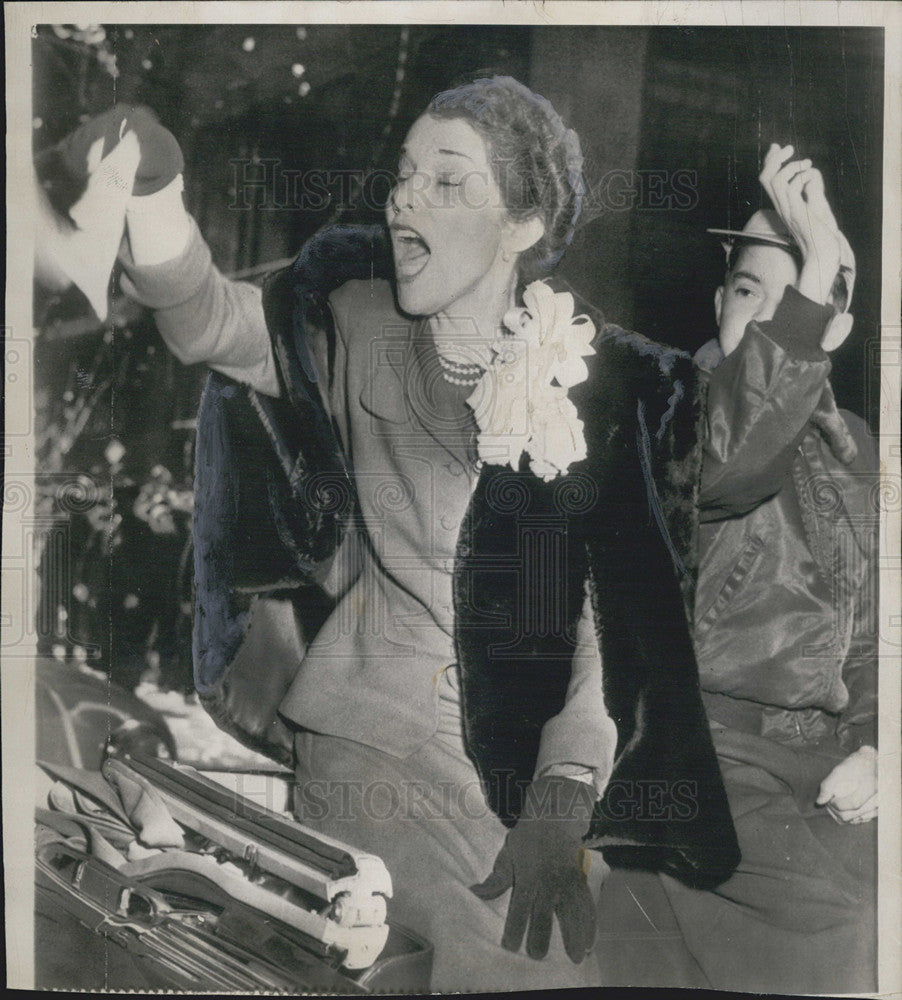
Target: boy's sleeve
{"x":759,"y":401}
{"x":857,"y":724}
{"x":205,"y":317}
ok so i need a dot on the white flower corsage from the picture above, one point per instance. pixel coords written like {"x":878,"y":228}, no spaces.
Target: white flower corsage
{"x":521,"y":403}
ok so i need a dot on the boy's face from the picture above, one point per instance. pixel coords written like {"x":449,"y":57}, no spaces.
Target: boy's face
{"x":752,"y":290}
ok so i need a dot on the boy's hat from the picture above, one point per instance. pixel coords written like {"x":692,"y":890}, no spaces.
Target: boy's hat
{"x":766,"y":227}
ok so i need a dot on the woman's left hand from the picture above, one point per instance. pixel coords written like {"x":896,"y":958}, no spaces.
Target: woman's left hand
{"x":544,"y":865}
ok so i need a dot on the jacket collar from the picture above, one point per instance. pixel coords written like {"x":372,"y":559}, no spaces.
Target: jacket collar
{"x":384,"y":395}
{"x":407,"y":389}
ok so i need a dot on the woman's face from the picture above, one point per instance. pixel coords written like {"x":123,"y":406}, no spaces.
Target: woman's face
{"x":447,"y":221}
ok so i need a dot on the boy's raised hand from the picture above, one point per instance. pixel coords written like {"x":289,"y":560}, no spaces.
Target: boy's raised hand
{"x":796,"y":189}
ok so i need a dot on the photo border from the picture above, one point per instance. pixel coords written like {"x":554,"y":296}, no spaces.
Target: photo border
{"x":16,"y":676}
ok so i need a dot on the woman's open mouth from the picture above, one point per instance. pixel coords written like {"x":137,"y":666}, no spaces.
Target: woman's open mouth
{"x":411,"y":252}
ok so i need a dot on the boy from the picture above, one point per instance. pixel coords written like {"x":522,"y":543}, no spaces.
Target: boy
{"x":784,"y":629}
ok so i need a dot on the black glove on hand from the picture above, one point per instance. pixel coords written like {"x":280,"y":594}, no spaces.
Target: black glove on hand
{"x":543,"y":861}
{"x":161,"y":157}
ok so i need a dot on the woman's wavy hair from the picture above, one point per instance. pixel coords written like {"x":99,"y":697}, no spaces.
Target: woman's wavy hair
{"x":536,"y":160}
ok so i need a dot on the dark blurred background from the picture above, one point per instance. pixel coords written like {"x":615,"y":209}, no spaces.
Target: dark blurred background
{"x":673,"y":121}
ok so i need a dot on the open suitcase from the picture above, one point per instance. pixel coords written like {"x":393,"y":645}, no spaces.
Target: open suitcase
{"x":252,"y":901}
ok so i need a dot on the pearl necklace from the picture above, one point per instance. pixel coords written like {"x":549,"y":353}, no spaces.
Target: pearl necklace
{"x":458,"y":373}
{"x":461,"y":381}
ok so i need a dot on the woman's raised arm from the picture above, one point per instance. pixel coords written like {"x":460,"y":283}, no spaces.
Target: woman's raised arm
{"x":129,"y":165}
{"x":202,"y":315}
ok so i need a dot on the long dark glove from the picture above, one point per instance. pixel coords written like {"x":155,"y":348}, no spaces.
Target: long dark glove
{"x":544,"y":863}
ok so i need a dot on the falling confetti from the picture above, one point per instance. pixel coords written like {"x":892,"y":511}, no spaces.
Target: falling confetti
{"x":114,"y":452}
